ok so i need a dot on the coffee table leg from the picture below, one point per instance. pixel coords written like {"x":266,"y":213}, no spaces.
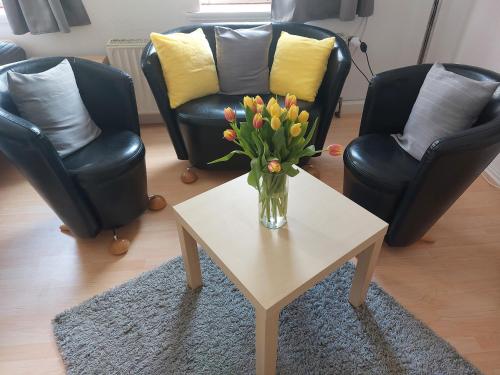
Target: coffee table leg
{"x":364,"y":272}
{"x":190,"y":257}
{"x":266,"y":340}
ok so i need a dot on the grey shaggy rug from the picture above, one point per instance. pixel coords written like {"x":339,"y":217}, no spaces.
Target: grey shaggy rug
{"x":154,"y":324}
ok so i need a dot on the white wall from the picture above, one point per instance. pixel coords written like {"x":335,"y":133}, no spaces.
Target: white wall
{"x":393,"y":34}
{"x":480,"y":46}
{"x":110,"y":19}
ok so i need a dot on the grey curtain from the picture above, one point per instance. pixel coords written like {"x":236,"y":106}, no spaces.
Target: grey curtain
{"x":44,"y":16}
{"x":308,"y":10}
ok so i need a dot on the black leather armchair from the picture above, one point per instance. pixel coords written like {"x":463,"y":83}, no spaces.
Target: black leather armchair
{"x":101,"y":186}
{"x":196,"y":127}
{"x":409,"y":194}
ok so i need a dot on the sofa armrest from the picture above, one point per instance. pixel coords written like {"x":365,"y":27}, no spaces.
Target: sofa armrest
{"x":153,"y":71}
{"x":329,"y":93}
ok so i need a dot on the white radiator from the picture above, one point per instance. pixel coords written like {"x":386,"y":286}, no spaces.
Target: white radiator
{"x":125,"y":54}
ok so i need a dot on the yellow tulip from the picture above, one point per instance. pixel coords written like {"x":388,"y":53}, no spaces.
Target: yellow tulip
{"x":249,"y":103}
{"x":303,"y":117}
{"x":295,"y":130}
{"x":275,"y":123}
{"x":270,"y":103}
{"x":275,"y":110}
{"x":293,"y":112}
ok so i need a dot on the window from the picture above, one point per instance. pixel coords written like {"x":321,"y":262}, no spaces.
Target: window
{"x":234,"y":2}
{"x":235,"y":5}
{"x":231,"y":11}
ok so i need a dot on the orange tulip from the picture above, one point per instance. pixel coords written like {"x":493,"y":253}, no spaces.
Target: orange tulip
{"x":257,"y":121}
{"x":229,"y":114}
{"x":258,"y":100}
{"x":290,"y":100}
{"x":229,"y":135}
{"x":274,"y":166}
{"x":335,"y":150}
{"x":260,"y":108}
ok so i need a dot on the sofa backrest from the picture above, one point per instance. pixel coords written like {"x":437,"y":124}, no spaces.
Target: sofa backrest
{"x":340,"y":52}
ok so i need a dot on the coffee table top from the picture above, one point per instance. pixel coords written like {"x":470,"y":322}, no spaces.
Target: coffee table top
{"x":273,"y":267}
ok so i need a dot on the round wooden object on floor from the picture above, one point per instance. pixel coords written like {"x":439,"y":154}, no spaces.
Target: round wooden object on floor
{"x":119,"y":246}
{"x":64,"y":228}
{"x":309,"y":168}
{"x":157,"y":203}
{"x":188,"y":176}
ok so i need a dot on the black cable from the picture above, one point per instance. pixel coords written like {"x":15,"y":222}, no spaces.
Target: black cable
{"x":354,"y":62}
{"x":364,"y":48}
{"x":357,"y":67}
{"x":369,"y":65}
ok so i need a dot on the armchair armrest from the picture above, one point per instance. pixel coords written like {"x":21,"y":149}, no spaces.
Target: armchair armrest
{"x":390,"y":99}
{"x":108,"y":94}
{"x":33,"y":154}
{"x":446,"y":170}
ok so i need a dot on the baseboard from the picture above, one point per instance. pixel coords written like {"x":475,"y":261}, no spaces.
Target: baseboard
{"x":352,"y":106}
{"x":492,"y":178}
{"x":150,"y":118}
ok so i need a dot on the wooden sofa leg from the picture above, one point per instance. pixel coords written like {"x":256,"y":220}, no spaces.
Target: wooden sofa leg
{"x":64,"y":228}
{"x":188,"y":176}
{"x":309,"y":168}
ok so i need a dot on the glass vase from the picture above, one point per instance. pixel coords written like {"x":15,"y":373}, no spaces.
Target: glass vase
{"x":273,"y":199}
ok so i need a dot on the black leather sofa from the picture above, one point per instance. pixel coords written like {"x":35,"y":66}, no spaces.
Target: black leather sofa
{"x":409,"y":194}
{"x":101,"y":186}
{"x":196,"y":127}
{"x":10,"y":52}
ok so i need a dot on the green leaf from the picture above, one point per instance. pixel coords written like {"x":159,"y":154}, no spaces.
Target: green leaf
{"x":279,"y":143}
{"x":228,"y":156}
{"x":308,"y":151}
{"x":255,"y":173}
{"x":311,"y":132}
{"x":289,"y":169}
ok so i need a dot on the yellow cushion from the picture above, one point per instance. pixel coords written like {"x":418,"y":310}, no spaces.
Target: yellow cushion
{"x":188,"y":65}
{"x":299,"y":65}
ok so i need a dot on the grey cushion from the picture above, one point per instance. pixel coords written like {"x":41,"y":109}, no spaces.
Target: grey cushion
{"x":446,"y":104}
{"x":51,"y":101}
{"x":242,"y":59}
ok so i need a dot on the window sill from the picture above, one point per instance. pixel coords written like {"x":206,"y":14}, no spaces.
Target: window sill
{"x":228,"y":13}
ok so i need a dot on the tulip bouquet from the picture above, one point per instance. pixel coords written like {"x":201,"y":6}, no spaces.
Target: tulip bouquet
{"x":275,"y":138}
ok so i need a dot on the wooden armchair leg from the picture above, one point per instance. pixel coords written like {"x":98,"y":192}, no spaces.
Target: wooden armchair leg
{"x":157,"y":203}
{"x":119,"y":246}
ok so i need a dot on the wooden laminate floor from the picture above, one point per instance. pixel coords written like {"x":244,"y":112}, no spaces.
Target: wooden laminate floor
{"x":451,"y":281}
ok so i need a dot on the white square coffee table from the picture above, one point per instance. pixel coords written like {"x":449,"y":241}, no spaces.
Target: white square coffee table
{"x":274,"y":267}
